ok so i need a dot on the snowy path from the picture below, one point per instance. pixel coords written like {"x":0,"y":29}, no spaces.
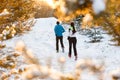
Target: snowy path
{"x":42,"y":42}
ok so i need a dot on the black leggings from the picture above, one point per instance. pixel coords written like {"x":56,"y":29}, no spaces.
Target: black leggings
{"x":57,"y":42}
{"x":72,"y":41}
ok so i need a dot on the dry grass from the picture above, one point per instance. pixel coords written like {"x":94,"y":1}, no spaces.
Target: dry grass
{"x":21,"y":64}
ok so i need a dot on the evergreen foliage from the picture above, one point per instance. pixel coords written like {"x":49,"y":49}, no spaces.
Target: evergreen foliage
{"x":95,"y":35}
{"x":110,"y":19}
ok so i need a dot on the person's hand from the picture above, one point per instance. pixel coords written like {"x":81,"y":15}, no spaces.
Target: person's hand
{"x":68,"y":38}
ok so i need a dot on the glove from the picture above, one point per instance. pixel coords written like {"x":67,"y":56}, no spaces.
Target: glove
{"x":68,"y":37}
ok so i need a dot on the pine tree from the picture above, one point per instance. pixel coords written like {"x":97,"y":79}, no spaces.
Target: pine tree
{"x":110,"y":19}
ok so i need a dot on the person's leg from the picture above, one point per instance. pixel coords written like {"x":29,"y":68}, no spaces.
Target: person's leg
{"x":70,"y":46}
{"x":61,"y":41}
{"x":62,"y":45}
{"x":57,"y":44}
{"x":74,"y":48}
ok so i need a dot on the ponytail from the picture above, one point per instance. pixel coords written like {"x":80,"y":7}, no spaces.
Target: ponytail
{"x":73,"y":28}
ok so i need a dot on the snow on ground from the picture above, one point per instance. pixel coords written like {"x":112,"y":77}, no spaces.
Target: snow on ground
{"x":41,"y":40}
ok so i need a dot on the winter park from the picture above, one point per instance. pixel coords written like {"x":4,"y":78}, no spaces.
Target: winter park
{"x":59,"y":39}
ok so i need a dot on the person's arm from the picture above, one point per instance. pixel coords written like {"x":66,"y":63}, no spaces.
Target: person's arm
{"x":63,"y":29}
{"x":68,"y":34}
